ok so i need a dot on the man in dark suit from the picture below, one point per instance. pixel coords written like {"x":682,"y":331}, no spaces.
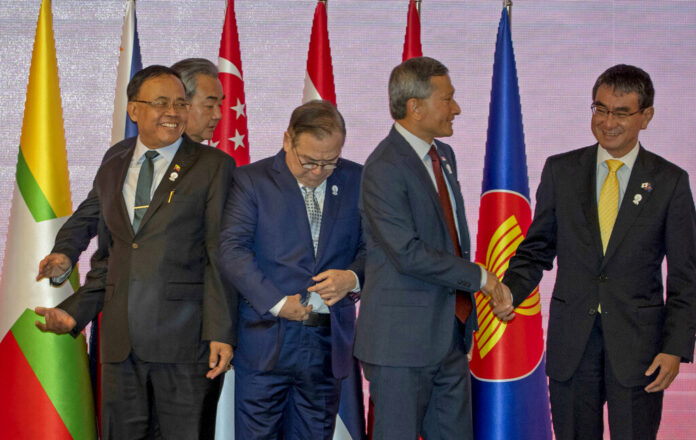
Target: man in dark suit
{"x":412,"y":343}
{"x":204,"y":92}
{"x":610,"y":213}
{"x":167,"y":324}
{"x":292,"y":246}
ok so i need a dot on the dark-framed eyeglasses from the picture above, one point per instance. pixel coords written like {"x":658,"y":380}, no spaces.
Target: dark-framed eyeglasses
{"x":313,"y":165}
{"x":602,"y":112}
{"x":165,"y":104}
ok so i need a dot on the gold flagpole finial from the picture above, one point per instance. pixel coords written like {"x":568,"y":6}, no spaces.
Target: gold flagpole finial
{"x":508,"y":4}
{"x":418,"y":6}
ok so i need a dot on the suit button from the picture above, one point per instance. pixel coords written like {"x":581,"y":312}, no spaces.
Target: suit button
{"x":592,"y":311}
{"x":603,"y":277}
{"x":134,"y":245}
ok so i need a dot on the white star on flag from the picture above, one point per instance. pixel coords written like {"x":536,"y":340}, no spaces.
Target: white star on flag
{"x":238,"y":139}
{"x":239,"y":108}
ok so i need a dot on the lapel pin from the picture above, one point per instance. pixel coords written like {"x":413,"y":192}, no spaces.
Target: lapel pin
{"x":646,"y":186}
{"x":334,"y":190}
{"x":173,"y":176}
{"x":177,"y":168}
{"x":449,"y":168}
{"x":637,"y":198}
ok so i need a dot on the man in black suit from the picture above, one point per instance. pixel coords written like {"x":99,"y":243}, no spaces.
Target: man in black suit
{"x":168,"y":325}
{"x":204,"y":92}
{"x":417,"y":312}
{"x":610,"y":213}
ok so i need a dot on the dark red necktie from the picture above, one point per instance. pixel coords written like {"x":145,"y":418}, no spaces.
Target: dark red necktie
{"x":463,"y":304}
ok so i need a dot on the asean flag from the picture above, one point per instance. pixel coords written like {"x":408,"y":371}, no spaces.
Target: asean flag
{"x":509,"y":388}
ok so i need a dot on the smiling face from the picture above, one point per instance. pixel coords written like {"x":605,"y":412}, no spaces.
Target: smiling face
{"x":205,"y":113}
{"x":619,"y":135}
{"x":433,"y":116}
{"x":159,"y":127}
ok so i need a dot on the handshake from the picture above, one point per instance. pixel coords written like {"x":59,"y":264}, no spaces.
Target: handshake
{"x":500,"y":296}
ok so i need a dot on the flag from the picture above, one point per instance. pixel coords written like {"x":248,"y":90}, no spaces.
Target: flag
{"x":129,"y":63}
{"x":319,"y":79}
{"x":45,"y":387}
{"x":319,"y":84}
{"x":231,"y":134}
{"x":509,"y":391}
{"x":412,"y":40}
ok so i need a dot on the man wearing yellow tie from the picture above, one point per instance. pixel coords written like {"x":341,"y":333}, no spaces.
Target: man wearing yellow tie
{"x":611,"y":213}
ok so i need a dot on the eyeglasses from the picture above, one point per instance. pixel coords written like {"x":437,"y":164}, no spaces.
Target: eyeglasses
{"x":164,"y":105}
{"x":314,"y":165}
{"x":602,"y":112}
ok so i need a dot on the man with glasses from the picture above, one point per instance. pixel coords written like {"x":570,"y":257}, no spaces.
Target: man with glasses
{"x":292,"y":247}
{"x":611,"y":213}
{"x":168,"y":325}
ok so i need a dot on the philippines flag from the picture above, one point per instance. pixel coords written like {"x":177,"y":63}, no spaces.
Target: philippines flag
{"x":319,"y":84}
{"x":129,"y":63}
{"x":231,"y":134}
{"x":509,"y":389}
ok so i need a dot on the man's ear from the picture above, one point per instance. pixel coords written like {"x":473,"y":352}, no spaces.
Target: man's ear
{"x":131,"y":108}
{"x":648,"y":114}
{"x":413,"y":109}
{"x":287,"y":142}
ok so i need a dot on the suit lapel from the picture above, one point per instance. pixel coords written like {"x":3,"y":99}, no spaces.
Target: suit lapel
{"x":115,"y":176}
{"x":332,"y":202}
{"x":293,"y":198}
{"x":586,"y":191}
{"x":630,"y":207}
{"x":182,"y":162}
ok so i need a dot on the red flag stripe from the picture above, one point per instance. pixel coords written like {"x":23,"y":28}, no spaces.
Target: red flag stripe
{"x":319,"y":67}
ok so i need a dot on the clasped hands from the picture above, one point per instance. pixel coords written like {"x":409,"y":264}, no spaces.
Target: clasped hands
{"x":500,"y":297}
{"x":331,"y":285}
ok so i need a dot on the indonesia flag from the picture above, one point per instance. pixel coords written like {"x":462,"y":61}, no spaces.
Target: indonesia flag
{"x":509,"y":391}
{"x":129,"y":63}
{"x":231,"y":134}
{"x":45,"y":391}
{"x":412,"y":39}
{"x":319,"y":84}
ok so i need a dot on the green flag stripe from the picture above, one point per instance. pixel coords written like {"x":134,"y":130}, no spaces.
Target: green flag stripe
{"x":34,"y":198}
{"x":60,"y":364}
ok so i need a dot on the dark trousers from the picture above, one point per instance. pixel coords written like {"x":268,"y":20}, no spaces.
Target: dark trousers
{"x":432,"y":401}
{"x":298,"y":398}
{"x":144,"y":400}
{"x":577,"y":405}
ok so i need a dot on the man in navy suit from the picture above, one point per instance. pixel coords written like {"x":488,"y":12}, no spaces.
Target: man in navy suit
{"x":292,"y":247}
{"x":612,"y":337}
{"x":417,"y":311}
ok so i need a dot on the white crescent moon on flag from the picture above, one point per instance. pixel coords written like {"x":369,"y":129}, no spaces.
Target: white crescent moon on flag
{"x":226,"y":66}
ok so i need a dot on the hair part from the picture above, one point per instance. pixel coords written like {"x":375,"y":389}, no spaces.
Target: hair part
{"x":411,"y":79}
{"x":628,"y":79}
{"x":149,"y":72}
{"x":318,"y":117}
{"x":188,"y":68}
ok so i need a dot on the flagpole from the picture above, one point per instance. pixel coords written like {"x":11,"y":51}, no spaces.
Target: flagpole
{"x":506,"y":4}
{"x":418,"y":6}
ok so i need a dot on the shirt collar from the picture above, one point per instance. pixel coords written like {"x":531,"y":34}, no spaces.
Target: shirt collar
{"x":628,"y":159}
{"x":419,"y":145}
{"x":318,"y":190}
{"x":167,"y":152}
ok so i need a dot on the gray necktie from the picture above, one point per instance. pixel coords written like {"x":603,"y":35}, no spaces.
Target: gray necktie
{"x":314,"y":214}
{"x":142,"y":190}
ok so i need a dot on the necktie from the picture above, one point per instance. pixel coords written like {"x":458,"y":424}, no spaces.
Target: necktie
{"x":314,"y":214}
{"x":463,"y":304}
{"x":608,"y":207}
{"x":142,"y":190}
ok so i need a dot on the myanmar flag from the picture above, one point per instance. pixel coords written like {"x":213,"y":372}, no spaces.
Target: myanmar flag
{"x":44,"y":384}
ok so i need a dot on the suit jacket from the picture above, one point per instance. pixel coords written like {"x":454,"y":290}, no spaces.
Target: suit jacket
{"x":159,"y":289}
{"x":411,"y":272}
{"x":267,"y":253}
{"x":656,"y":219}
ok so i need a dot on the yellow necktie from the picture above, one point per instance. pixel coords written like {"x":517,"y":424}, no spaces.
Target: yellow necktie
{"x":608,"y":207}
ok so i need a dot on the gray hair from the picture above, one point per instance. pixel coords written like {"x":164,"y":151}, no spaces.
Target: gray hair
{"x":411,"y":79}
{"x":318,"y":117}
{"x":628,"y":79}
{"x":188,"y":68}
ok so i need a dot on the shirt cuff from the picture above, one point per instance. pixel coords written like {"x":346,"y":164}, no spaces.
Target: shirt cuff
{"x":275,"y":310}
{"x":357,"y":282}
{"x":484,"y":277}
